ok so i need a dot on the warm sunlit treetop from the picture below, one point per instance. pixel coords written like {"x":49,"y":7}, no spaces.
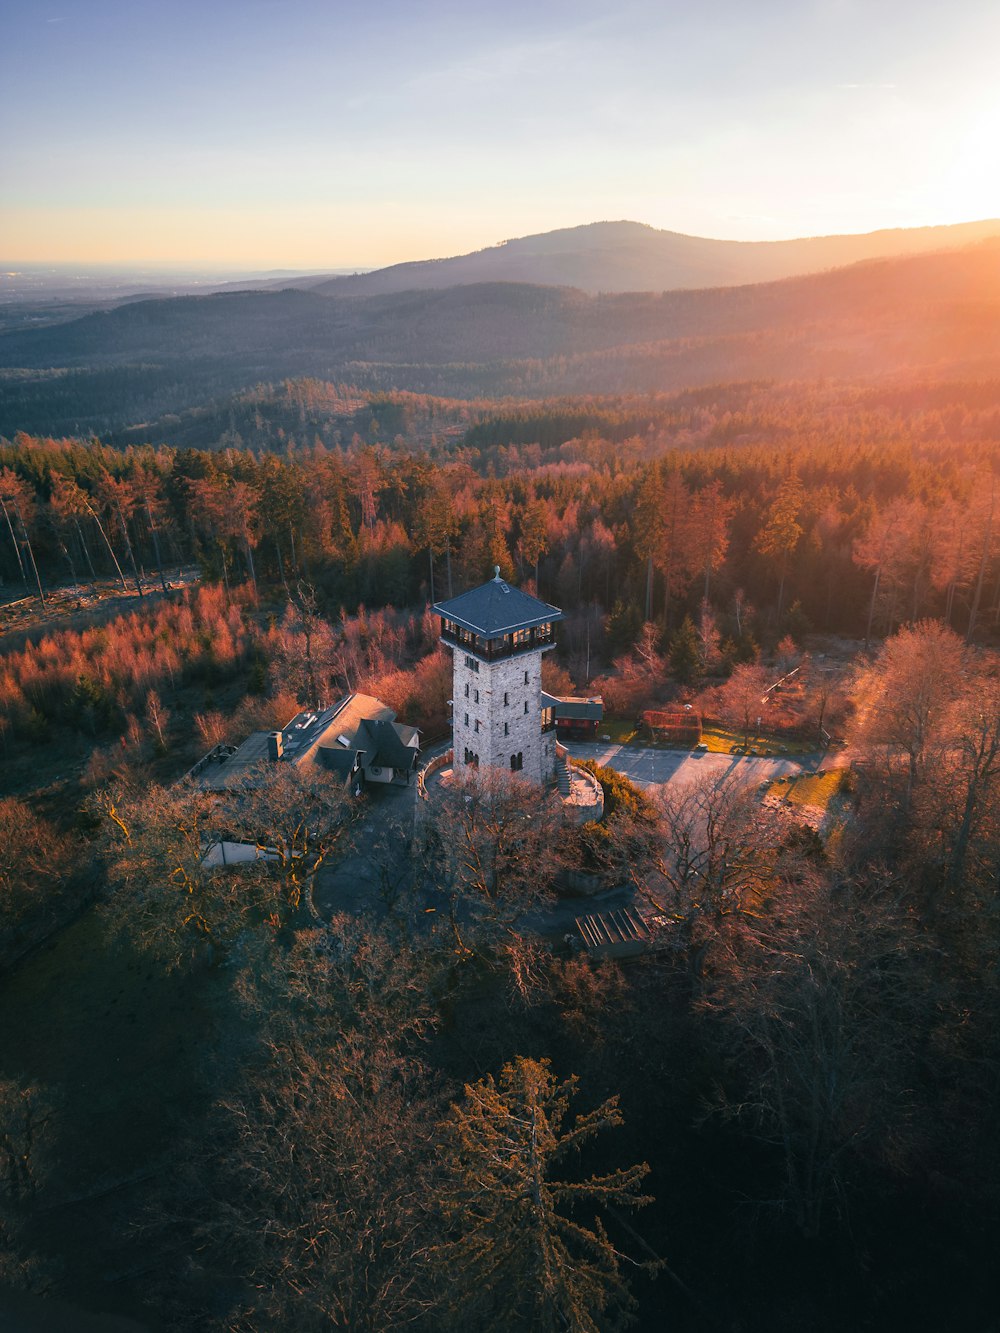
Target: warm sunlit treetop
{"x":323,"y":133}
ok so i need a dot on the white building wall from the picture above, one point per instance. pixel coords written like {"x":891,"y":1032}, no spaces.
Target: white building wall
{"x":498,"y":714}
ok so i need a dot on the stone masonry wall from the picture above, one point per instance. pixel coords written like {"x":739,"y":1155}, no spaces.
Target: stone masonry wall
{"x":495,"y":682}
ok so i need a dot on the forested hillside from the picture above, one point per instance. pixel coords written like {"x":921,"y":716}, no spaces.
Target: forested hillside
{"x":859,"y":506}
{"x":936,"y":314}
{"x":271,"y":1097}
{"x":379,"y":1077}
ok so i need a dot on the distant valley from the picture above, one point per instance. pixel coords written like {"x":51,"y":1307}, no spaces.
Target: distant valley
{"x":143,"y":362}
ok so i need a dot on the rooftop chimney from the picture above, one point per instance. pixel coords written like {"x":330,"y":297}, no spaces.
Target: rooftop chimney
{"x":275,"y":746}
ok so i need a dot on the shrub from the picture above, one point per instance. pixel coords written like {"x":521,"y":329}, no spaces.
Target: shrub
{"x":620,"y":796}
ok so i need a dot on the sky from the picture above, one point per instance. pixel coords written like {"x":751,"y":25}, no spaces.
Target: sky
{"x":312,"y":134}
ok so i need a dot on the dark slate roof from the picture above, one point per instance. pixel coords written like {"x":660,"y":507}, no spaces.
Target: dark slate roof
{"x":383,"y":746}
{"x":332,"y":737}
{"x":589,"y":709}
{"x":407,"y":734}
{"x":496,"y":608}
{"x":337,"y":760}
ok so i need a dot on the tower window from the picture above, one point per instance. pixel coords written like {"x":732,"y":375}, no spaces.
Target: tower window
{"x":506,"y":699}
{"x":472,"y":664}
{"x":466,"y":719}
{"x":475,"y":696}
{"x":525,"y":705}
{"x":476,"y":727}
{"x":506,"y":729}
{"x":526,"y":678}
{"x":467,"y":689}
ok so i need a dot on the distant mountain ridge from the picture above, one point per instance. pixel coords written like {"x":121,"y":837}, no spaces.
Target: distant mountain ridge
{"x":633,"y":257}
{"x":933,"y":314}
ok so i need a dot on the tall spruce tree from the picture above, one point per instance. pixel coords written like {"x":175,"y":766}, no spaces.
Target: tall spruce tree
{"x":685,"y":653}
{"x":526,"y":1248}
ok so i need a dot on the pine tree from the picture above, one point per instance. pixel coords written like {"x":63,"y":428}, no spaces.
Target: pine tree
{"x":525,"y":1250}
{"x":685,"y":653}
{"x":782,"y":532}
{"x":534,"y":541}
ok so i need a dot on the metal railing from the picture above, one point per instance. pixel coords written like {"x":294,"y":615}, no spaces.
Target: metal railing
{"x":493,"y":650}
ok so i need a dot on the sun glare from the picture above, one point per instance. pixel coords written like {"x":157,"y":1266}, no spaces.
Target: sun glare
{"x":970,"y":187}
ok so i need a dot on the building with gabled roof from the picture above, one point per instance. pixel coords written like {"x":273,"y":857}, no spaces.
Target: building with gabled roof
{"x":358,"y":739}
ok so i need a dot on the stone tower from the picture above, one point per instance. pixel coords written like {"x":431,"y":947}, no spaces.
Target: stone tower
{"x":497,"y":635}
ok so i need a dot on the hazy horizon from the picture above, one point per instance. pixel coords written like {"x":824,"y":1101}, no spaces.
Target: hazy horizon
{"x":311,"y":136}
{"x":207,"y":269}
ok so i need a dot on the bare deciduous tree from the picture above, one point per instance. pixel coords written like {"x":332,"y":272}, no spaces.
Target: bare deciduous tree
{"x":34,"y":865}
{"x":300,"y":818}
{"x":716,"y":854}
{"x":741,"y":702}
{"x":817,"y":996}
{"x":164,"y":895}
{"x":26,"y":1116}
{"x":322,"y":1173}
{"x":903,"y":696}
{"x":491,"y":846}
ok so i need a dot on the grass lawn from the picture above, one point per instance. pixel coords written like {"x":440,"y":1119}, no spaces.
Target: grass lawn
{"x":723,"y":740}
{"x":815,"y":789}
{"x":720,"y":740}
{"x":717,"y":739}
{"x":622,"y":733}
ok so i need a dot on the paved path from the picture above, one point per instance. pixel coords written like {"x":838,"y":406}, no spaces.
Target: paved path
{"x":356,"y":881}
{"x":651,"y":768}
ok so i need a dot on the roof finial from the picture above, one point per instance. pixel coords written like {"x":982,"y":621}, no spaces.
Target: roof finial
{"x":496,"y":573}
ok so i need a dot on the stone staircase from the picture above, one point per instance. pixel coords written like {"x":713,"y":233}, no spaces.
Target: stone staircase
{"x":562,"y":771}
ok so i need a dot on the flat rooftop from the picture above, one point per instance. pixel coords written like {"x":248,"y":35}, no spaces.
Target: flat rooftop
{"x":590,"y":709}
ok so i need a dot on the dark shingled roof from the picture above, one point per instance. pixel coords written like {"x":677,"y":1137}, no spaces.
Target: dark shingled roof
{"x":495,"y":609}
{"x":383,"y":745}
{"x":334,"y":737}
{"x":337,"y":761}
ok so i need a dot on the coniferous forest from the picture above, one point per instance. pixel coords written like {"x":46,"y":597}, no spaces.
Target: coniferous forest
{"x":375,"y":1081}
